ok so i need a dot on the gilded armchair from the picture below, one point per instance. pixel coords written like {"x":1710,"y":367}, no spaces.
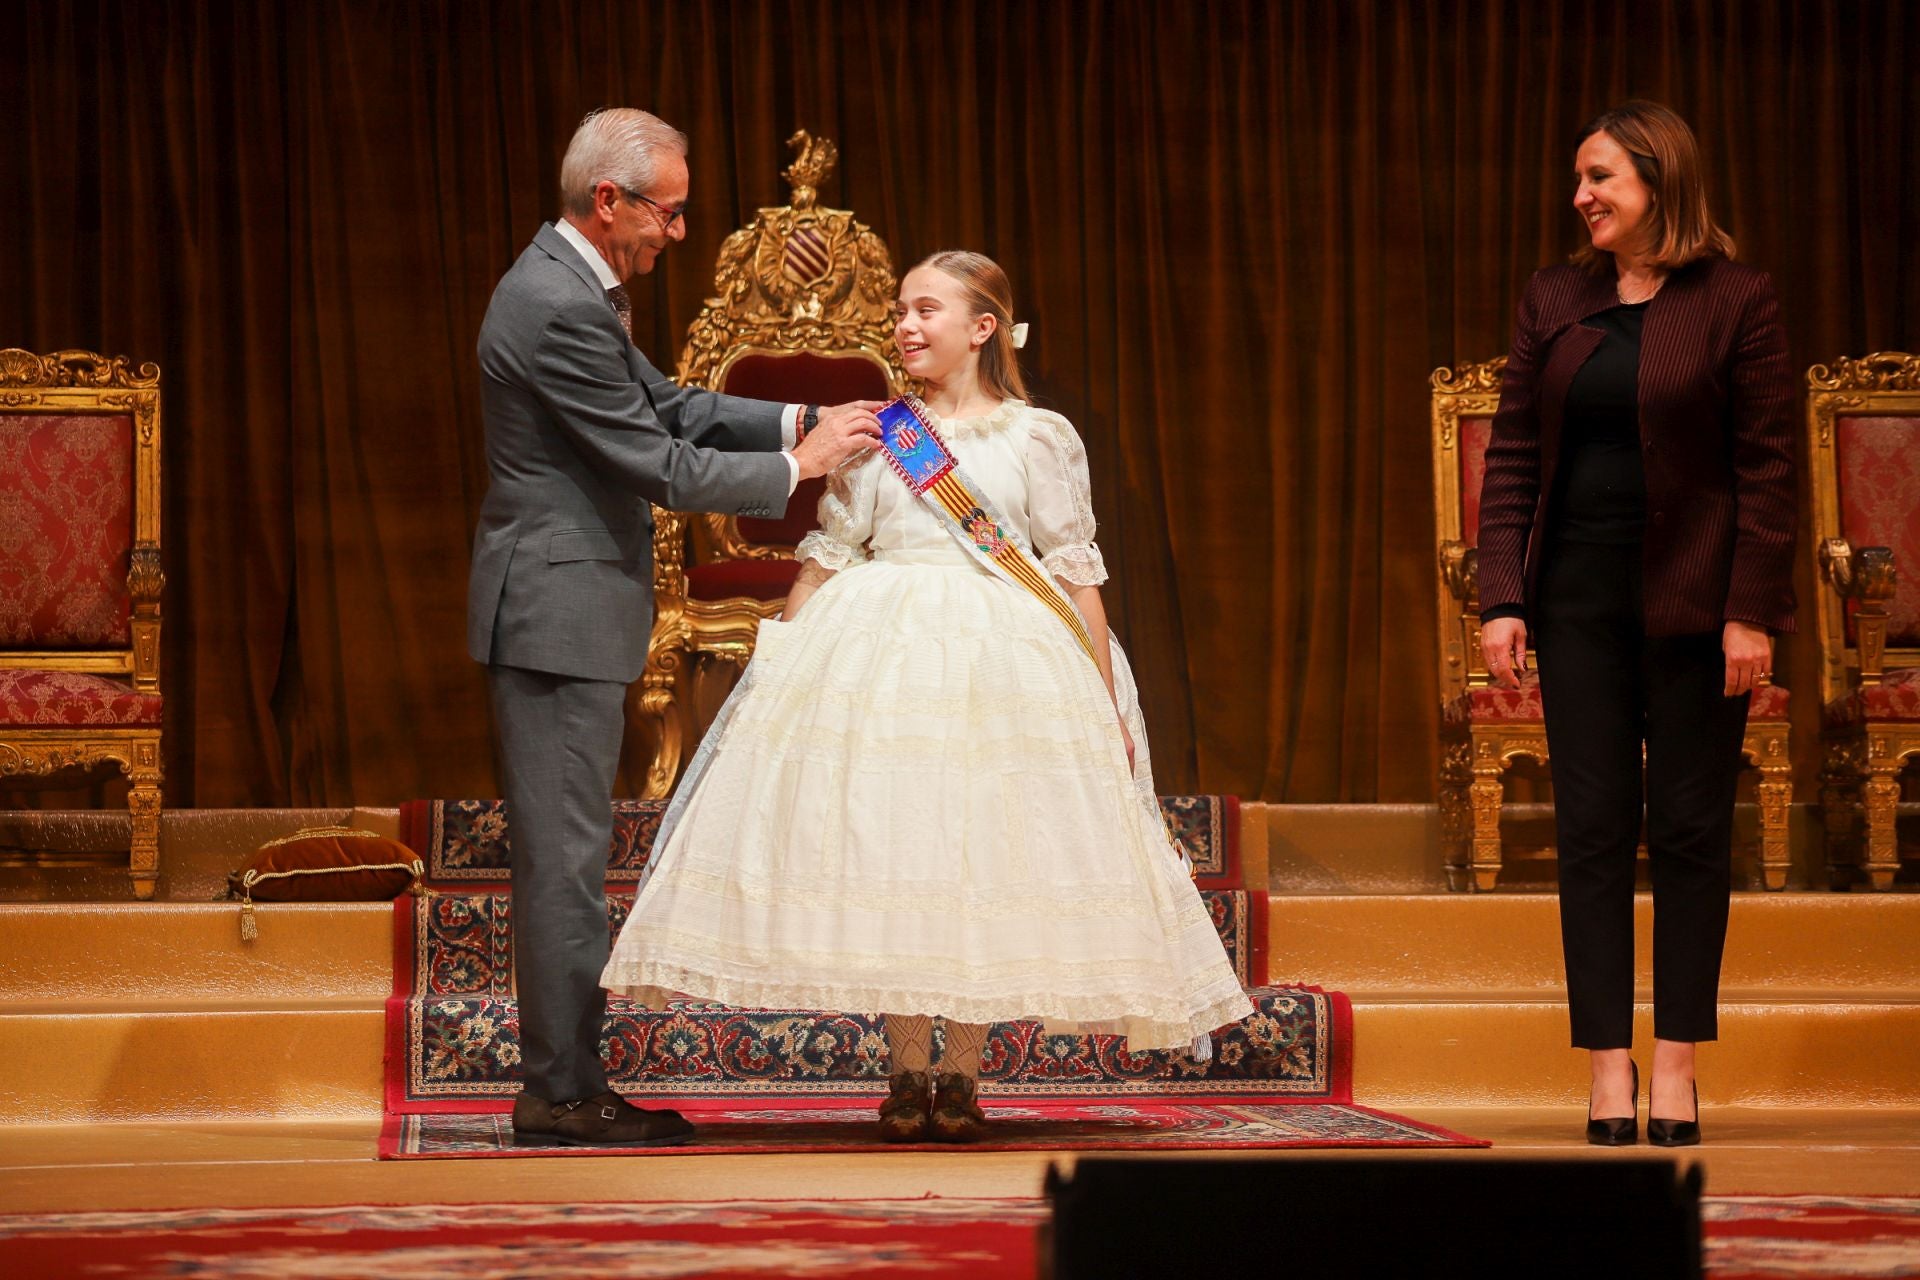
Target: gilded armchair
{"x":802,"y":312}
{"x":1863,"y":441}
{"x":80,"y":579}
{"x":1484,"y":728}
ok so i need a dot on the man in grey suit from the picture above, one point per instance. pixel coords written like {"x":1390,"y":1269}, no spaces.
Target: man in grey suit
{"x":582,"y":433}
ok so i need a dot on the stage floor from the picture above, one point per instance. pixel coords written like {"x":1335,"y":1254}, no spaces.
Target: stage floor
{"x":250,"y":1164}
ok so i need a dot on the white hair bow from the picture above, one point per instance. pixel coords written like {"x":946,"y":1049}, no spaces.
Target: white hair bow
{"x":1020,"y":335}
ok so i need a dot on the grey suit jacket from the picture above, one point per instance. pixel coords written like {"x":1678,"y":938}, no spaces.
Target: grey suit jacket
{"x":583,"y":432}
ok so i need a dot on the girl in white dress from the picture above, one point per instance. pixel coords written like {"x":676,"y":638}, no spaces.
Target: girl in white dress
{"x":925,"y":799}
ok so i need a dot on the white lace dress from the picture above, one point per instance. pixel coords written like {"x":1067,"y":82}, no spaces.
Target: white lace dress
{"x":921,"y":801}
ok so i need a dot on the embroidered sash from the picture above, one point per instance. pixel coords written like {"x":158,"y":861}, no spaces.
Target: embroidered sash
{"x":932,"y":474}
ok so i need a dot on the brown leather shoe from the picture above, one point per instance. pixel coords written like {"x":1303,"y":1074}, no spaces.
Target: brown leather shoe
{"x":606,"y":1121}
{"x":903,"y":1116}
{"x":956,"y":1116}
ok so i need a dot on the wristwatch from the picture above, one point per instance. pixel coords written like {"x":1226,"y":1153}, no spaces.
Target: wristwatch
{"x":808,"y":421}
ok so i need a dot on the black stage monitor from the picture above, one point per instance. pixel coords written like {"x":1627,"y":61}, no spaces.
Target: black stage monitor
{"x":1365,"y":1215}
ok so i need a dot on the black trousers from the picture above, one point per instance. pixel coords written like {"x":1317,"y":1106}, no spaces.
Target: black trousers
{"x":1609,"y":689}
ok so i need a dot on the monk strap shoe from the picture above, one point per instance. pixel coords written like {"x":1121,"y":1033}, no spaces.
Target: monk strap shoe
{"x":607,"y":1120}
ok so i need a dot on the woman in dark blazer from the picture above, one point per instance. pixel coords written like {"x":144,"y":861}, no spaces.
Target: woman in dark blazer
{"x":1637,"y":528}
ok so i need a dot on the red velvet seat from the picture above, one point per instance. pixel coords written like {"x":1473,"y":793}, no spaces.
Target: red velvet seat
{"x":29,"y":697}
{"x":1487,"y":704}
{"x":764,"y":580}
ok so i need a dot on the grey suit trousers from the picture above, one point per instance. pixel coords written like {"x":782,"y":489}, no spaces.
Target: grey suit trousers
{"x":560,"y":744}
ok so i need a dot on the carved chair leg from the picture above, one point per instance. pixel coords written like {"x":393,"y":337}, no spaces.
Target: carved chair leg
{"x":143,"y":806}
{"x":1882,"y":797}
{"x":1486,"y":828}
{"x":1775,"y":793}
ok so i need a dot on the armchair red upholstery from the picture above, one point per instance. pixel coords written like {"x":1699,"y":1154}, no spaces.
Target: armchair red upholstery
{"x":1863,"y":438}
{"x":80,"y":578}
{"x":73,"y":698}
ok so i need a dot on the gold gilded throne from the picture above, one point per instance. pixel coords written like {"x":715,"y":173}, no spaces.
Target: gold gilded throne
{"x":1863,"y":440}
{"x":80,"y":579}
{"x":1484,"y":728}
{"x":802,"y":313}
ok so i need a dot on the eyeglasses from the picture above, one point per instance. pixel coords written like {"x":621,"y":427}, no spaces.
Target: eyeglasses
{"x":673,"y":215}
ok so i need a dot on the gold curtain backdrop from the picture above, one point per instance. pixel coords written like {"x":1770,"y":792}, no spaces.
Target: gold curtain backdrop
{"x":1244,"y":233}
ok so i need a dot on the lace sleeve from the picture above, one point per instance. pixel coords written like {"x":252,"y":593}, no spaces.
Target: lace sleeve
{"x":1060,"y":502}
{"x":846,"y":519}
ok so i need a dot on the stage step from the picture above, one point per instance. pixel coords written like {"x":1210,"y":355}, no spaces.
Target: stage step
{"x":1396,"y":848}
{"x":95,"y":953}
{"x":190,"y":1063}
{"x":1779,"y":945}
{"x":139,"y":1011}
{"x":165,"y":1062}
{"x":1459,"y":999}
{"x":122,"y":1012}
{"x":81,"y":855}
{"x":1414,"y":1053}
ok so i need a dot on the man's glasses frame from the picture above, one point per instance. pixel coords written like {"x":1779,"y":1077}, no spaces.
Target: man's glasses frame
{"x":673,"y":215}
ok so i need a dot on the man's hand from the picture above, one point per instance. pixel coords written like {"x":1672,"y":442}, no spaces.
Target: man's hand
{"x":1503,"y":643}
{"x":843,"y":430}
{"x":1749,"y":651}
{"x":852,"y":408}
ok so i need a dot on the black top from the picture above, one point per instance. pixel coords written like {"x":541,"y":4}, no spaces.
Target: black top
{"x":1600,"y":490}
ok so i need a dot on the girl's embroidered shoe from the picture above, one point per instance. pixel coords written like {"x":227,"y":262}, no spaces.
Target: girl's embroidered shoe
{"x":957,"y":1116}
{"x":903,"y":1116}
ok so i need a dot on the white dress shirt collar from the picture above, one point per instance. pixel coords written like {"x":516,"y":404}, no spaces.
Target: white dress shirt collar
{"x":584,"y":247}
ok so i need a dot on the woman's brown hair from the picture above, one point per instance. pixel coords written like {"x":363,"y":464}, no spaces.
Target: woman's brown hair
{"x":1668,"y":160}
{"x":987,"y":293}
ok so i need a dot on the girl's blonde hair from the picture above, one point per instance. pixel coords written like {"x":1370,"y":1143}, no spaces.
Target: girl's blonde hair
{"x":987,"y":293}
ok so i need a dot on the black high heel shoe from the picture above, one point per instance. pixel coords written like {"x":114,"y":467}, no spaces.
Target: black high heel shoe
{"x":1676,"y":1133}
{"x":1618,"y":1131}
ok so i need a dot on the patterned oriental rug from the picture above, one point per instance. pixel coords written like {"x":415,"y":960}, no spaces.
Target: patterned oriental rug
{"x":845,"y":1126}
{"x":1747,"y":1238}
{"x":797,"y":1080}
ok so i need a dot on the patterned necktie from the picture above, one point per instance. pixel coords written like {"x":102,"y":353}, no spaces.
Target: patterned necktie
{"x":622,"y":307}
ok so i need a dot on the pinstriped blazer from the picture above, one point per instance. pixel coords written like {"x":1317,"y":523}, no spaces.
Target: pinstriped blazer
{"x":1716,"y":406}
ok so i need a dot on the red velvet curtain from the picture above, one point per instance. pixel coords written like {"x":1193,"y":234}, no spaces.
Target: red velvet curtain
{"x":1244,"y":232}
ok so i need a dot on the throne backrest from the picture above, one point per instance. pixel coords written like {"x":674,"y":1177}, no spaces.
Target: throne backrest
{"x":79,"y":513}
{"x":1863,"y":436}
{"x":800,"y":377}
{"x":1463,"y":405}
{"x":802,"y":312}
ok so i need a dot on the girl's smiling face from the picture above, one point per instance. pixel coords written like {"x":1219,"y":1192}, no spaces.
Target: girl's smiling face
{"x":931,"y":324}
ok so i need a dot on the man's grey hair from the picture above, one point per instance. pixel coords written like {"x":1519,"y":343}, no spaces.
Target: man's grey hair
{"x":617,"y":145}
